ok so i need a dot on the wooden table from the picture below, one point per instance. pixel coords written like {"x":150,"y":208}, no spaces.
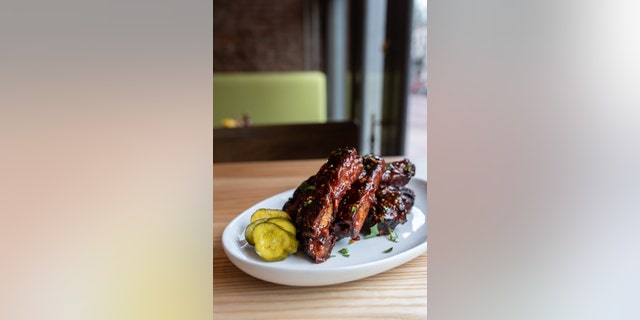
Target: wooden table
{"x":400,"y":293}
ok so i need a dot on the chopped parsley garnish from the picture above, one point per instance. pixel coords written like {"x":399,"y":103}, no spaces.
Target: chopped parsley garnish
{"x":388,"y":250}
{"x":311,"y":187}
{"x":354,"y":209}
{"x":308,"y":202}
{"x":408,"y":167}
{"x":344,"y":252}
{"x":373,"y":231}
{"x":393,"y":235}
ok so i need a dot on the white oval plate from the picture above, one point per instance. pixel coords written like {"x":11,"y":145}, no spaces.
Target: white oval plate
{"x":366,"y":256}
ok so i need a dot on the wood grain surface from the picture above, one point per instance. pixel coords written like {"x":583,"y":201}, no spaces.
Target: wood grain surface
{"x":400,"y":293}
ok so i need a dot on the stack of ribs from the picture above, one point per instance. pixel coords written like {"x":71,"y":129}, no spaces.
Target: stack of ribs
{"x":349,"y":195}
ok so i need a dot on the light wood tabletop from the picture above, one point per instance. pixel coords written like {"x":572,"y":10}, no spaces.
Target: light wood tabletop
{"x":400,"y":293}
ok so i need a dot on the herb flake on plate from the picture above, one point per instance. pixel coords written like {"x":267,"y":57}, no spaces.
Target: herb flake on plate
{"x":373,"y":232}
{"x":393,"y":235}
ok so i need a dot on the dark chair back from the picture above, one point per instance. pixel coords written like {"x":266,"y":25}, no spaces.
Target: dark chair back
{"x":282,"y":142}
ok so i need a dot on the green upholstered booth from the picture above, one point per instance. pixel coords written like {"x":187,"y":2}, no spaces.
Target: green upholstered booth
{"x":270,"y":97}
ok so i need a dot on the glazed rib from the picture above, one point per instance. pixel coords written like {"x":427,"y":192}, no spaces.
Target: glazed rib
{"x":356,"y":203}
{"x":391,"y":208}
{"x":317,"y":202}
{"x":393,"y":200}
{"x":293,"y":205}
{"x":398,"y":173}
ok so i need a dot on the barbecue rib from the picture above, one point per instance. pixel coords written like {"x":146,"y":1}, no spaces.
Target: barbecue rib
{"x":391,"y":208}
{"x":315,"y":202}
{"x":356,"y":203}
{"x":398,"y":173}
{"x":392,"y":199}
{"x":293,"y":205}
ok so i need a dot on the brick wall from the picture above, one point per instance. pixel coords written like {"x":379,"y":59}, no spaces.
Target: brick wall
{"x":258,"y":35}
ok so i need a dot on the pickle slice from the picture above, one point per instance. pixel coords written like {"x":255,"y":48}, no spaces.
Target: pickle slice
{"x":248,"y":231}
{"x":273,"y":243}
{"x":269,"y":213}
{"x":284,"y":224}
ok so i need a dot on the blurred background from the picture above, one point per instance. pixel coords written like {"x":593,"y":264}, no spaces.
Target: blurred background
{"x":369,"y":58}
